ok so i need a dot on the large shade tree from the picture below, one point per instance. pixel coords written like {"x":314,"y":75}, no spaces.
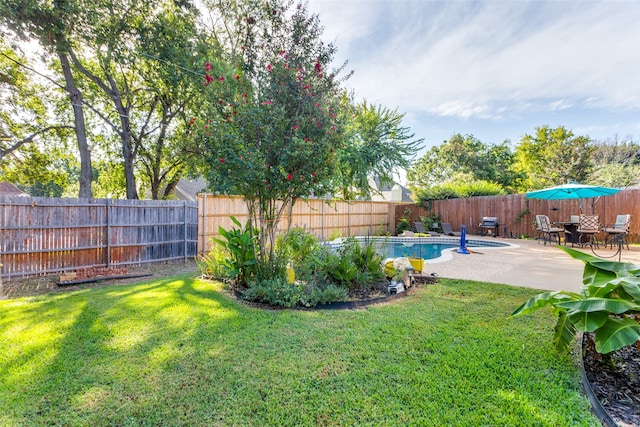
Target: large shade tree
{"x":616,"y":163}
{"x":464,"y":159}
{"x":48,"y":22}
{"x":275,"y":130}
{"x":553,"y":157}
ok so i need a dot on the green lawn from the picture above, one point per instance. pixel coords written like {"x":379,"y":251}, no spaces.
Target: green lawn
{"x":177,"y":351}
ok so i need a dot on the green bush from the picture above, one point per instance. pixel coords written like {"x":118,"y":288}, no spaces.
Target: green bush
{"x":428,"y":221}
{"x":214,"y":264}
{"x":266,"y":269}
{"x":341,"y":270}
{"x":354,"y":266}
{"x":459,"y":190}
{"x":297,"y":246}
{"x":403,"y":222}
{"x":276,"y":291}
{"x":280,"y":293}
{"x":323,"y":294}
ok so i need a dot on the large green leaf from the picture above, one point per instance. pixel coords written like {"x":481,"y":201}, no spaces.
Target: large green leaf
{"x":631,"y":286}
{"x":612,"y":305}
{"x":588,"y":321}
{"x":594,"y":276}
{"x":565,"y":333}
{"x":601,"y":290}
{"x":541,"y":300}
{"x":615,"y":334}
{"x":614,"y":265}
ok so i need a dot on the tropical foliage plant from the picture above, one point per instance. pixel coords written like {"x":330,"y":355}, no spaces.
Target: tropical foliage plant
{"x":608,"y":305}
{"x":239,"y":245}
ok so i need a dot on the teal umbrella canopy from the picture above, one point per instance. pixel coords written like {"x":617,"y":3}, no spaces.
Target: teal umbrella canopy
{"x":571,"y":191}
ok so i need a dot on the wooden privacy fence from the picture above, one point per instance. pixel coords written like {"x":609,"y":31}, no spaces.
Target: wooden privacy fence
{"x":324,"y":218}
{"x":516,"y":213}
{"x":50,"y":235}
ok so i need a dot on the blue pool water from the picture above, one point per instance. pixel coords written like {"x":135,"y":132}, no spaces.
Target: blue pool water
{"x":426,"y":248}
{"x":424,"y":251}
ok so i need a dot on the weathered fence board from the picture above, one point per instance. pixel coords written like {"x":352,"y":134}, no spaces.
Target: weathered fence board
{"x":49,"y":235}
{"x":517,"y":213}
{"x":324,"y":218}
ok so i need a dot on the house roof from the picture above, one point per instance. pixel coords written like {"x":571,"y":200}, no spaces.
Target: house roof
{"x":188,"y":189}
{"x":390,"y":192}
{"x":8,"y":189}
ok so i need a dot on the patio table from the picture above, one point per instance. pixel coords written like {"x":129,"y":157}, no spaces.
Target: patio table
{"x":570,"y":232}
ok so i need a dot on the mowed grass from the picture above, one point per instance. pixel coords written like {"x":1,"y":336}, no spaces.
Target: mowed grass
{"x":178,"y":351}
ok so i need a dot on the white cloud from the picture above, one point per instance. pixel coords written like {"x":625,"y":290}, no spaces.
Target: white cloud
{"x":484,"y":59}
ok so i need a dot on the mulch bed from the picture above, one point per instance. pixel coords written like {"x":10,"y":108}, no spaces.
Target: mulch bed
{"x":615,"y":380}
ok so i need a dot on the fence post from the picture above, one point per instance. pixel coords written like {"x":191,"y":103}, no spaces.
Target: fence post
{"x":322,"y":238}
{"x":371,"y":218}
{"x":185,"y":231}
{"x":204,"y":224}
{"x":108,"y":215}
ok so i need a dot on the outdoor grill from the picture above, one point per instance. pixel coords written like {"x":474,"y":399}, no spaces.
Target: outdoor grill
{"x":489,"y":225}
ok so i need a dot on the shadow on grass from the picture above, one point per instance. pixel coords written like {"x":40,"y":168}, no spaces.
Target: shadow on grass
{"x":94,"y":353}
{"x":177,"y":351}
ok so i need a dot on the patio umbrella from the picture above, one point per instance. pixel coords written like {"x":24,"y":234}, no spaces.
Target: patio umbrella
{"x":572,"y":190}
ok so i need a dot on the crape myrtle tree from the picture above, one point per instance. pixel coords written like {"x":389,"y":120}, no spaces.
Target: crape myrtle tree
{"x":274,"y":130}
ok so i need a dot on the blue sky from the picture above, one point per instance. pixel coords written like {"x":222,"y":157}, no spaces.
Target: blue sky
{"x":493,"y":69}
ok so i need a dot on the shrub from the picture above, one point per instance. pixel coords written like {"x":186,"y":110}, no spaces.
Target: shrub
{"x":353,"y":266}
{"x":323,"y":294}
{"x":458,"y":190}
{"x":266,"y":269}
{"x":297,"y":246}
{"x":213,"y":264}
{"x":428,"y":221}
{"x":275,"y":291}
{"x":403,"y":222}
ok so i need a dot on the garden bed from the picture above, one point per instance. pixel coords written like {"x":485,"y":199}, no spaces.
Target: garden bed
{"x":615,"y":382}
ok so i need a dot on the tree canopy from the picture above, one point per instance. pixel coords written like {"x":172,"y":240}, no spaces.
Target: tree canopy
{"x":553,"y":157}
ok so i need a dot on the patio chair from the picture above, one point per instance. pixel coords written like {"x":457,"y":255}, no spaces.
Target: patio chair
{"x":446,"y":229}
{"x":548,"y":231}
{"x":538,"y":227}
{"x":589,"y":226}
{"x":420,"y":229}
{"x":620,"y":230}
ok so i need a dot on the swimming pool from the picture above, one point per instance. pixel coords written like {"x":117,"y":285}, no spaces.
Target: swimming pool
{"x":431,"y":249}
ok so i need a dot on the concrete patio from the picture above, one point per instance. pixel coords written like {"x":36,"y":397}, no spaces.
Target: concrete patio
{"x":526,"y":263}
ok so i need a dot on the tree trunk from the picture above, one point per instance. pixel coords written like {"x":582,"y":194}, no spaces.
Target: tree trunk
{"x":128,"y":154}
{"x":86,"y":173}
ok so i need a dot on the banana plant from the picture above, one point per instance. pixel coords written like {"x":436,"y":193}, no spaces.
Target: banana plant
{"x":608,"y":305}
